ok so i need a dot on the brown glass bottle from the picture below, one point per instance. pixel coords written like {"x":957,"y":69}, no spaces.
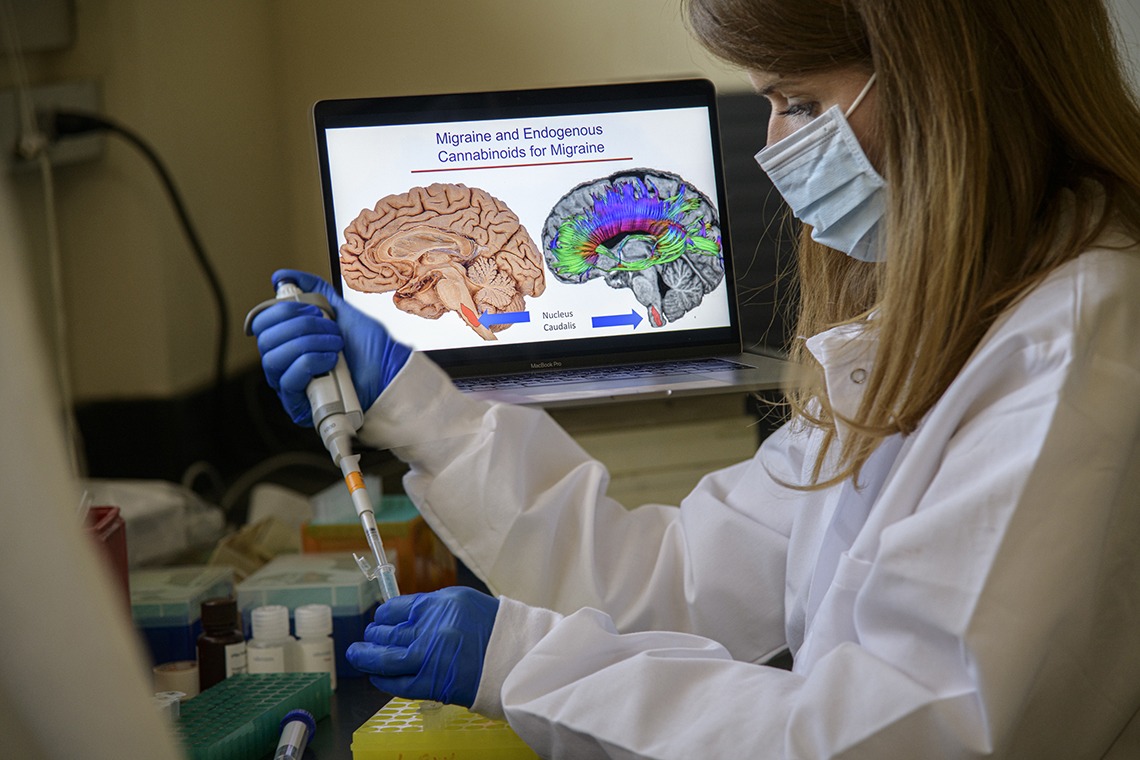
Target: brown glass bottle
{"x":221,"y":645}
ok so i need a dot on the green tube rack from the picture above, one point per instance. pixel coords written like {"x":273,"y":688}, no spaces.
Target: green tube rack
{"x":405,"y":729}
{"x":239,"y":718}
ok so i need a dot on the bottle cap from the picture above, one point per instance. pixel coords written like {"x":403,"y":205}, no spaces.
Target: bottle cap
{"x":313,"y":620}
{"x":270,"y":622}
{"x":180,"y":676}
{"x":219,"y":614}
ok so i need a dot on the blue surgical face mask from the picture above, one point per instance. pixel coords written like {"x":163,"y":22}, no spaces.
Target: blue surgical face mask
{"x":824,"y":175}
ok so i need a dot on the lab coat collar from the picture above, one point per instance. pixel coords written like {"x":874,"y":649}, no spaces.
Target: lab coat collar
{"x":847,"y":355}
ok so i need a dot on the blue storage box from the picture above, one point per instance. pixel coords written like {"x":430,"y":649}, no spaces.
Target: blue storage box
{"x":293,"y":580}
{"x":166,"y":606}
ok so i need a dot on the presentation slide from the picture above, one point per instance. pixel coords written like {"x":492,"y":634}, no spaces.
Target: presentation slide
{"x":463,"y":234}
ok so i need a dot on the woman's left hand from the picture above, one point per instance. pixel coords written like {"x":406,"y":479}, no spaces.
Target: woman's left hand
{"x":428,"y":646}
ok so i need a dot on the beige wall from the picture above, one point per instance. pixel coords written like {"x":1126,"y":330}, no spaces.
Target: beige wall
{"x":222,"y":90}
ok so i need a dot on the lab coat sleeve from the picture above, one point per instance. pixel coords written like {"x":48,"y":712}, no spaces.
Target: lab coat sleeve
{"x":997,"y":615}
{"x":526,"y":509}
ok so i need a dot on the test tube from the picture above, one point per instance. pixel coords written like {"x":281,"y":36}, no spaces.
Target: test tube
{"x":296,"y":728}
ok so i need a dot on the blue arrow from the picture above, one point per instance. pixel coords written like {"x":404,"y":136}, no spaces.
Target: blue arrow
{"x":633,"y":319}
{"x":503,"y":318}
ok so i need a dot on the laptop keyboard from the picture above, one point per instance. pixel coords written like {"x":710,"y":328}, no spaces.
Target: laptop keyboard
{"x":594,"y":374}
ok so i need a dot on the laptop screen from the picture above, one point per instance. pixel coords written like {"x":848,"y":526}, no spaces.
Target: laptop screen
{"x":516,"y":230}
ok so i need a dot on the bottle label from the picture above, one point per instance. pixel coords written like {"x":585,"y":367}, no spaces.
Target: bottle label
{"x":266,"y":659}
{"x":317,"y":657}
{"x":235,"y":659}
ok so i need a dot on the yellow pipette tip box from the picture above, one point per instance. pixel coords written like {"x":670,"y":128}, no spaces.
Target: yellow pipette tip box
{"x":406,"y":729}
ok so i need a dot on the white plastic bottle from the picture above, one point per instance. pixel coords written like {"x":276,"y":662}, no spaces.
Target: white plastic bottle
{"x":269,"y":650}
{"x":313,"y":625}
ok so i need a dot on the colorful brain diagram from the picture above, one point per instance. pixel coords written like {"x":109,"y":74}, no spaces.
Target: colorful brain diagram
{"x":451,"y":248}
{"x":444,"y":248}
{"x":646,"y":230}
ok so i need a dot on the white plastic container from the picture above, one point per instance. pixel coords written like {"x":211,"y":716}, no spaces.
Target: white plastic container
{"x":313,"y":626}
{"x":270,"y":650}
{"x":333,"y":579}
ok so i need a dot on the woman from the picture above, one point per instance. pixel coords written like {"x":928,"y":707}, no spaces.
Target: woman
{"x":946,"y":534}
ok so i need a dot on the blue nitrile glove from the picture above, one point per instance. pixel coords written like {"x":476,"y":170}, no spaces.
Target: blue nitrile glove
{"x":428,"y":646}
{"x":298,"y":343}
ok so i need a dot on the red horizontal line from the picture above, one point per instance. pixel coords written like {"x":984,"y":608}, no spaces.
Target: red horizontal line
{"x":520,"y":166}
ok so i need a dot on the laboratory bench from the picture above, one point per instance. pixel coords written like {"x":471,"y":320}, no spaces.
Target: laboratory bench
{"x":352,"y":704}
{"x":407,"y":729}
{"x":354,"y":701}
{"x":656,"y":451}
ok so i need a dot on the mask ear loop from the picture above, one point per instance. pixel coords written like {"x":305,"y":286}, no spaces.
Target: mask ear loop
{"x":863,"y":94}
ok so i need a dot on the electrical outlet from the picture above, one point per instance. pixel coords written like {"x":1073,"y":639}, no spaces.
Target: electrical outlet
{"x":76,"y":96}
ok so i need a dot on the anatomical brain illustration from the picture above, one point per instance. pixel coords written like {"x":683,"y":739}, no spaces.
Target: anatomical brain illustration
{"x":642,"y":229}
{"x":444,"y":248}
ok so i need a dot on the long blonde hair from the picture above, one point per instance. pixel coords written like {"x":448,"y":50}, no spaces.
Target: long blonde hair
{"x":987,"y":112}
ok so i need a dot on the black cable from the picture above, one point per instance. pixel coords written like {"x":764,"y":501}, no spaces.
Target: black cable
{"x":66,"y":123}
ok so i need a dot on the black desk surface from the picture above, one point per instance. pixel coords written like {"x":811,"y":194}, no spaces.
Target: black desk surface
{"x":354,"y":702}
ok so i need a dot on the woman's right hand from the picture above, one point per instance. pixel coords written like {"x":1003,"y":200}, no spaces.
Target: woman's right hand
{"x":297,"y":343}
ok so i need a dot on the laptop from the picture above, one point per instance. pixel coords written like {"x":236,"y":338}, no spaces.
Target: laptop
{"x":550,"y":247}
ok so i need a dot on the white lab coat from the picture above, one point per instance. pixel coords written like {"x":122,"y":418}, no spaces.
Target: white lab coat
{"x":979,"y":597}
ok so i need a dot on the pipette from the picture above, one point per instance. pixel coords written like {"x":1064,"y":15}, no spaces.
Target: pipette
{"x":337,"y":416}
{"x":385,"y":572}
